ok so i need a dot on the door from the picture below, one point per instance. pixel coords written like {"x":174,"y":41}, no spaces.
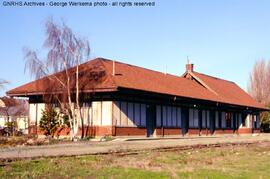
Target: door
{"x":234,"y":121}
{"x":236,"y":125}
{"x":212,"y":121}
{"x":150,"y":119}
{"x":185,"y":120}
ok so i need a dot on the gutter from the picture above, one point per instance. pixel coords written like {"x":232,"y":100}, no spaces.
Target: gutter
{"x":25,"y":94}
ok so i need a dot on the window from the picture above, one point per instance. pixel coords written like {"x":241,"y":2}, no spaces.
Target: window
{"x":106,"y":113}
{"x":96,"y":113}
{"x":143,"y":115}
{"x":169,"y":116}
{"x":116,"y":111}
{"x":164,"y":115}
{"x":174,"y":113}
{"x":228,"y":120}
{"x":203,"y":119}
{"x":256,"y":121}
{"x":196,"y":118}
{"x":128,"y":114}
{"x":217,"y":120}
{"x":124,"y":120}
{"x":158,"y":116}
{"x":223,"y":120}
{"x":137,"y":114}
{"x":179,"y":117}
{"x":191,"y":118}
{"x":208,"y":119}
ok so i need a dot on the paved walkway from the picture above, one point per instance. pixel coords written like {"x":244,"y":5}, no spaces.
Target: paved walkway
{"x":120,"y":145}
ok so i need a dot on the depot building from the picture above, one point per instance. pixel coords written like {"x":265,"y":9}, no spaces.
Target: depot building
{"x":120,"y":99}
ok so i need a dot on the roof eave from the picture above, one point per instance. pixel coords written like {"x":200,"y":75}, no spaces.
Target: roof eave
{"x":26,"y":94}
{"x":201,"y":99}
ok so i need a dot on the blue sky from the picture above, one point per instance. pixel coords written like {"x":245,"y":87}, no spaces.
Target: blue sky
{"x":222,"y":38}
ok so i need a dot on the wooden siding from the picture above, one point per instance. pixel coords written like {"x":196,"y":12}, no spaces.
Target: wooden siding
{"x":128,"y":114}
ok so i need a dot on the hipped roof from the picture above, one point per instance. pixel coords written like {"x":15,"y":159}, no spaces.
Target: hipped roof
{"x":203,"y":87}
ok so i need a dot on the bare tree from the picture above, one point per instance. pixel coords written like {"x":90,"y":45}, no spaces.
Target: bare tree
{"x":259,"y":88}
{"x":10,"y":108}
{"x":259,"y":82}
{"x":66,"y":51}
{"x":2,"y":83}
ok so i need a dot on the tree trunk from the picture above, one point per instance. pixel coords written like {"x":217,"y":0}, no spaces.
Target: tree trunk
{"x":79,"y":113}
{"x":8,"y":124}
{"x":82,"y":123}
{"x":72,"y":117}
{"x":71,"y":126}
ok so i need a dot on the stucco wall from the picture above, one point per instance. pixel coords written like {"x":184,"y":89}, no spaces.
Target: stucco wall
{"x":35,"y":112}
{"x":127,"y":116}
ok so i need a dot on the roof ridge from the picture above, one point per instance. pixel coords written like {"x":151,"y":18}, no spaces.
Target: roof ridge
{"x":202,"y":82}
{"x":123,"y":63}
{"x":217,"y":78}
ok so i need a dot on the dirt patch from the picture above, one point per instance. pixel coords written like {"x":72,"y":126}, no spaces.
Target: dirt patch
{"x":140,"y":162}
{"x":264,"y":144}
{"x":12,"y":141}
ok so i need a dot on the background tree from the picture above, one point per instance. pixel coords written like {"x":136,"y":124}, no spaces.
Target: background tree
{"x":259,"y":88}
{"x":65,"y":51}
{"x":3,"y":83}
{"x":11,"y":107}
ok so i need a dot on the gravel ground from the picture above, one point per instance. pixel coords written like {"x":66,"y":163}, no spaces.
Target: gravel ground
{"x":121,"y":145}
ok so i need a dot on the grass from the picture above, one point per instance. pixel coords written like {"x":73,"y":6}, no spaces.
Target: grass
{"x":250,"y":161}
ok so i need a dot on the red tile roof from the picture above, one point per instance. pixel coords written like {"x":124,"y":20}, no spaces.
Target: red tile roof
{"x":42,"y":86}
{"x":228,"y":91}
{"x":133,"y":77}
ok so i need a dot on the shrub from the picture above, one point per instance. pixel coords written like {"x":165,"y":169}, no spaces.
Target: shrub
{"x":11,"y":128}
{"x":265,"y":122}
{"x":49,"y":121}
{"x":66,"y":120}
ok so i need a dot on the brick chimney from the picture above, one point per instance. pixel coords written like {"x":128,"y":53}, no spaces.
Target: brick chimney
{"x":189,"y":67}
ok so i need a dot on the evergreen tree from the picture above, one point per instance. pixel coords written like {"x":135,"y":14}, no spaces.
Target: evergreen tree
{"x":49,"y":121}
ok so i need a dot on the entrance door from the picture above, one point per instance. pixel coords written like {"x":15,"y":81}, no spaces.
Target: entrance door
{"x":184,"y":120}
{"x":150,"y":119}
{"x":235,"y":117}
{"x":212,"y":121}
